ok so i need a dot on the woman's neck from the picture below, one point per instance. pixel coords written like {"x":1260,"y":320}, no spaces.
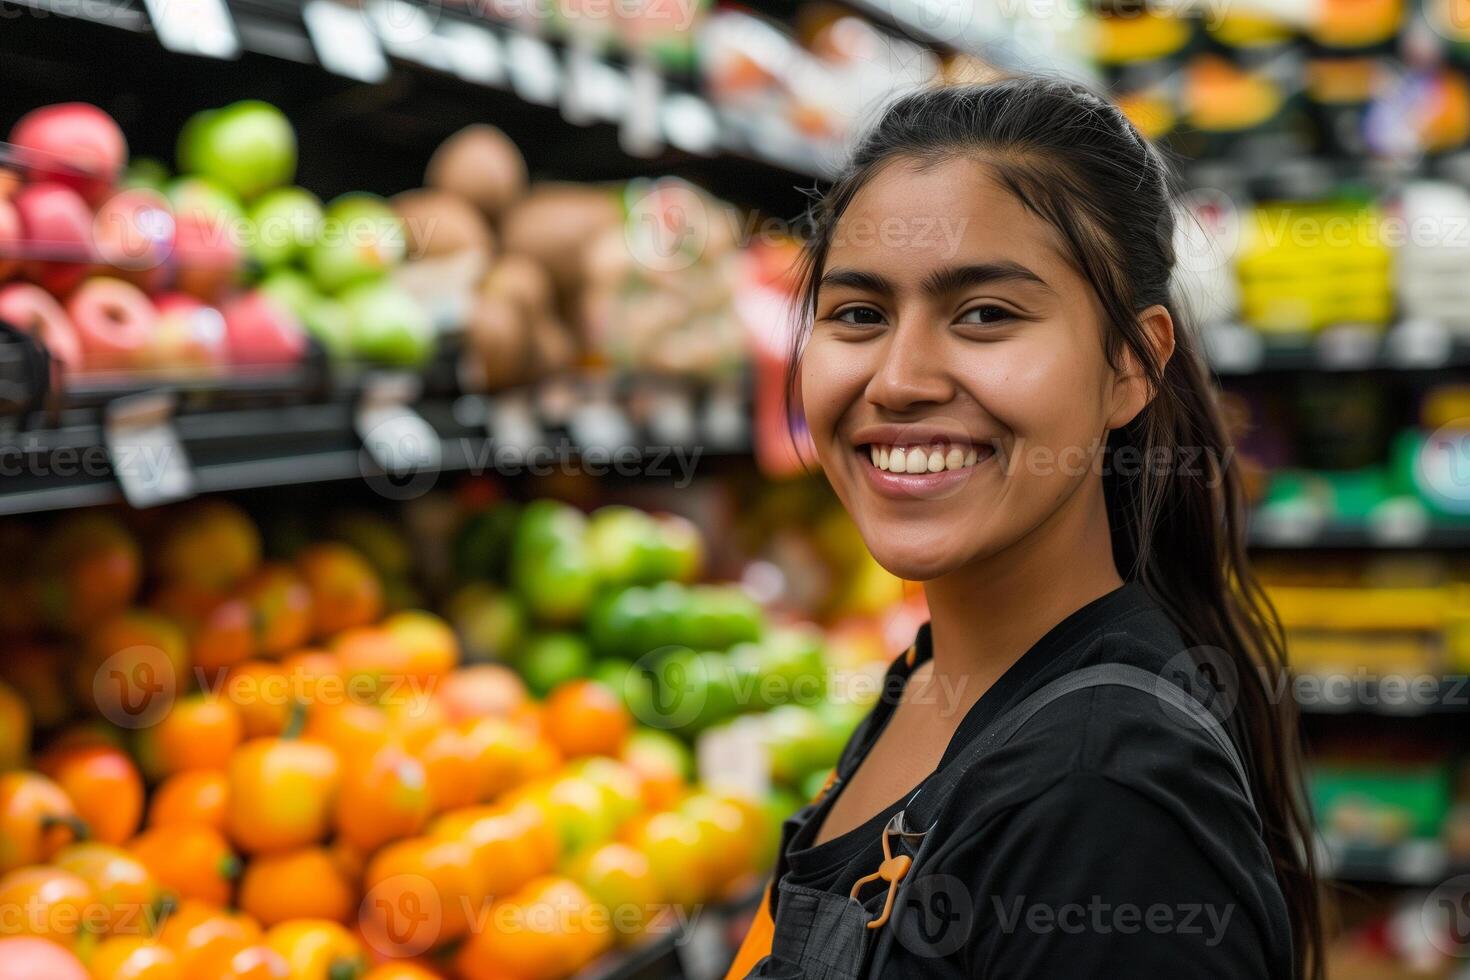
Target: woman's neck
{"x":985,"y":615}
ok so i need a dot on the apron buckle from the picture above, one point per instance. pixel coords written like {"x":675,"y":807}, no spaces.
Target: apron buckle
{"x":893,"y":869}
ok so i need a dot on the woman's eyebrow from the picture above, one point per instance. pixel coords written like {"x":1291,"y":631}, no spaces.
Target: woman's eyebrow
{"x":870,"y":282}
{"x":952,"y":279}
{"x":940,"y":282}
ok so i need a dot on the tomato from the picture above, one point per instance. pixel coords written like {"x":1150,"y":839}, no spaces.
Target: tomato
{"x":511,"y":845}
{"x":15,"y":729}
{"x":220,"y":628}
{"x":193,"y":860}
{"x":103,"y":784}
{"x":419,"y":893}
{"x":119,"y":881}
{"x":281,"y":606}
{"x":199,"y":932}
{"x":384,"y":796}
{"x":281,"y":793}
{"x":583,"y":717}
{"x":676,"y":851}
{"x":552,"y":930}
{"x":47,"y":902}
{"x":134,"y":958}
{"x":254,"y":962}
{"x":201,"y":731}
{"x":28,"y":958}
{"x":352,"y":729}
{"x":430,"y":644}
{"x":345,"y":591}
{"x":194,"y":797}
{"x":479,"y":690}
{"x":37,"y":819}
{"x":317,"y":950}
{"x":38,"y":677}
{"x":131,"y":667}
{"x":620,"y":878}
{"x":263,"y":693}
{"x":308,"y":883}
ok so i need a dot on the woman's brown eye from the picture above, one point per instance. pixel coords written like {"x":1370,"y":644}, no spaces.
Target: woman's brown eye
{"x":861,"y":315}
{"x":986,"y":314}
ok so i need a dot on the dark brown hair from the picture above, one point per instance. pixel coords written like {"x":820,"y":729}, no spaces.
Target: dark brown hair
{"x":1072,"y":158}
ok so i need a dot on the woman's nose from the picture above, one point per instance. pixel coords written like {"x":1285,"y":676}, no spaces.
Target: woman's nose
{"x":911,"y":370}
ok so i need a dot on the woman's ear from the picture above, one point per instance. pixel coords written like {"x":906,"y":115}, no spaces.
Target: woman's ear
{"x":1131,"y":388}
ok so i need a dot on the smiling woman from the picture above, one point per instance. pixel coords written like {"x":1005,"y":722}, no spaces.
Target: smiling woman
{"x":1116,"y":791}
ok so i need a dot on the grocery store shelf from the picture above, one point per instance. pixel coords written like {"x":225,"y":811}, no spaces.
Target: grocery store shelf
{"x":1414,"y":862}
{"x":376,"y":428}
{"x":1306,"y":536}
{"x":1234,"y":350}
{"x":1396,"y":697}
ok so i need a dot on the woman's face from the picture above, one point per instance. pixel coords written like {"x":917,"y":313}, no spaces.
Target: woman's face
{"x":954,"y":343}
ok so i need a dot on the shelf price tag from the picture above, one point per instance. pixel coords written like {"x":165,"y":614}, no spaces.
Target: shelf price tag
{"x":344,"y":42}
{"x":733,"y":758}
{"x":198,"y":27}
{"x":408,"y":32}
{"x":534,"y":72}
{"x":395,"y":437}
{"x":147,"y":456}
{"x":474,"y":53}
{"x":512,"y":423}
{"x":641,"y":134}
{"x":1348,"y":346}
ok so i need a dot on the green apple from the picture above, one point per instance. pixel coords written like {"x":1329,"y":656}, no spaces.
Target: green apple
{"x":328,"y":321}
{"x":623,"y":542}
{"x":291,"y":289}
{"x":248,"y":147}
{"x":147,"y":173}
{"x":287,"y":222}
{"x":557,"y":584}
{"x":388,"y":325}
{"x":550,"y":659}
{"x":202,"y":198}
{"x":482,"y":544}
{"x":361,"y":238}
{"x":491,"y":624}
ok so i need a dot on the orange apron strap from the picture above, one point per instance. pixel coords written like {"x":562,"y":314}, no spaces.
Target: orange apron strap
{"x":757,"y":942}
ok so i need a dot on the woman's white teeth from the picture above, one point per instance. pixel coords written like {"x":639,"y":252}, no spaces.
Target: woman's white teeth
{"x":918,"y":459}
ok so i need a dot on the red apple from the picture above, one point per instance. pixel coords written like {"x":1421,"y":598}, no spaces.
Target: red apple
{"x":206,"y":260}
{"x":133,"y":235}
{"x":32,"y":309}
{"x":10,"y":237}
{"x":262,"y":331}
{"x":55,"y":220}
{"x":114,"y":320}
{"x":189,"y":336}
{"x":76,"y":134}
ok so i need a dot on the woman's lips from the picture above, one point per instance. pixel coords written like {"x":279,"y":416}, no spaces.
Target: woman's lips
{"x":924,"y":471}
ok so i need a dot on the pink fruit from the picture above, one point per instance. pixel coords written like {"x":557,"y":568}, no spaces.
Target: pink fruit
{"x":32,"y":309}
{"x":56,"y":220}
{"x":189,"y":335}
{"x":133,"y":235}
{"x":206,"y":261}
{"x":31,"y":958}
{"x":262,"y":331}
{"x":10,"y":236}
{"x":114,"y":320}
{"x":78,"y":134}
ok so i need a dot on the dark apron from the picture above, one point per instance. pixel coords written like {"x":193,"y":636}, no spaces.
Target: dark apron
{"x":821,"y":935}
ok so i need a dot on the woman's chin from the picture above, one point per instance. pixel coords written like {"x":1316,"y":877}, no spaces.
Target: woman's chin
{"x":915,"y":563}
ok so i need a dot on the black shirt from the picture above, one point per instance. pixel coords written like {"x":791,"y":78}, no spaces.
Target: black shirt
{"x":1108,"y":839}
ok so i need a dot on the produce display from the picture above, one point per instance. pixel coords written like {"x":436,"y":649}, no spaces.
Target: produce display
{"x":121,"y":267}
{"x":245,"y":766}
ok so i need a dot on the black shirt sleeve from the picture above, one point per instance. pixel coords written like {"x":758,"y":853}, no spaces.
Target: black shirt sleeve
{"x":1094,"y":879}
